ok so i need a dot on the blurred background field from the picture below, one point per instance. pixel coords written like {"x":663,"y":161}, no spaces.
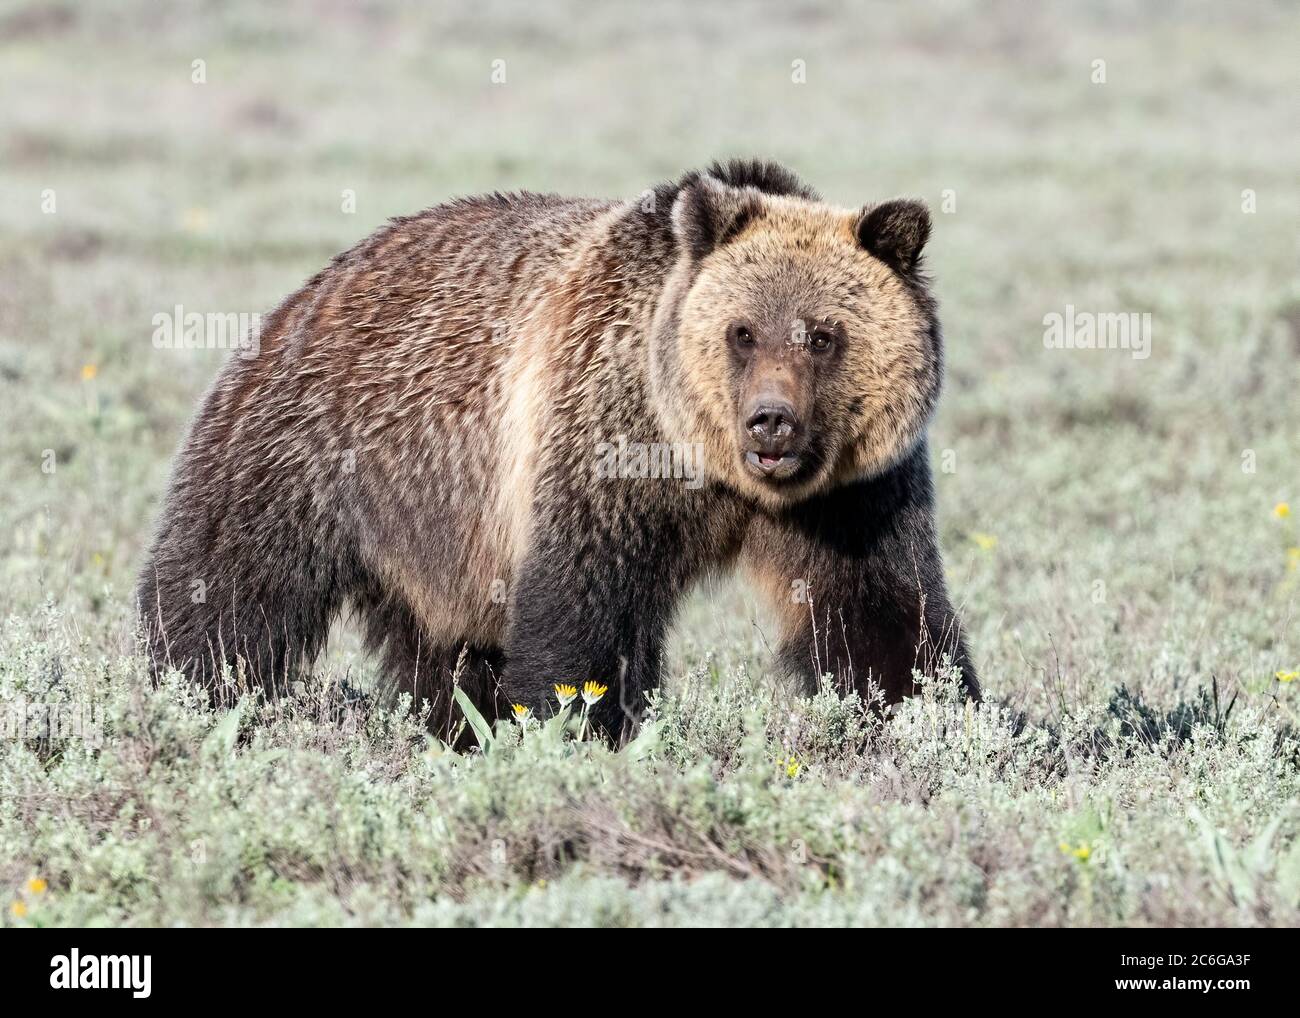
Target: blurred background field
{"x":1119,"y":530}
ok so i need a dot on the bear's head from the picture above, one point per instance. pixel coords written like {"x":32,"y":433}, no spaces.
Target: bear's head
{"x":796,"y":341}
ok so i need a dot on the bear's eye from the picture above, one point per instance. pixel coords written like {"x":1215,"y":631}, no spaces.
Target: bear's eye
{"x":821,"y":339}
{"x":741,"y":336}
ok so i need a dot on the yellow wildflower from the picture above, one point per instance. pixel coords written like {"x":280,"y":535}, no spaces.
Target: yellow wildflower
{"x":522,"y":713}
{"x":1288,"y":676}
{"x":985,"y":542}
{"x":88,"y":372}
{"x":19,"y":909}
{"x":592,"y":692}
{"x":1281,"y":510}
{"x":565,"y":693}
{"x":36,"y":885}
{"x":195,"y":220}
{"x":792,"y":768}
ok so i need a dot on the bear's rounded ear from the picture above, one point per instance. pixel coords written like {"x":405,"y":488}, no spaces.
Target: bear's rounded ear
{"x":895,"y":232}
{"x":707,"y":213}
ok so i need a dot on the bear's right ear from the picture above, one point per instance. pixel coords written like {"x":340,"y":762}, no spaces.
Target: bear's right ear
{"x":708,"y":213}
{"x":895,"y":232}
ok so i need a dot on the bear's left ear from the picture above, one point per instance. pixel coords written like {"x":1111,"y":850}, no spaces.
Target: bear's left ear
{"x":895,"y":232}
{"x":708,"y":213}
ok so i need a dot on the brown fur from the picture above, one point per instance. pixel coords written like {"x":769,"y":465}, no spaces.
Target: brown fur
{"x":417,"y":439}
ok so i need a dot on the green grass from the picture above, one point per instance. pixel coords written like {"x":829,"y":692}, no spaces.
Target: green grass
{"x":1126,"y":582}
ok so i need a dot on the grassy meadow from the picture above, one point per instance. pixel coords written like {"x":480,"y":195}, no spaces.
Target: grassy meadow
{"x":1123,"y":532}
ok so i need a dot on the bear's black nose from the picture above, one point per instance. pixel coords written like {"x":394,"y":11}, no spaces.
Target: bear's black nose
{"x":772,"y":424}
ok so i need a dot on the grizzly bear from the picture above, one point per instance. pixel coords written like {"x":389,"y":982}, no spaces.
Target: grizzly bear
{"x":512,"y":431}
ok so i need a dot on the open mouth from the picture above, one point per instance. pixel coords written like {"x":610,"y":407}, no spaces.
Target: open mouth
{"x":772,"y":465}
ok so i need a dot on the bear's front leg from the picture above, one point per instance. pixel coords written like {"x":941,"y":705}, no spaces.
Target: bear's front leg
{"x":589,"y":604}
{"x":856,"y":579}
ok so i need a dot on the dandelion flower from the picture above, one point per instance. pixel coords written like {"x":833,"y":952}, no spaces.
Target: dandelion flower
{"x":565,"y":693}
{"x":19,"y":909}
{"x":1281,"y":510}
{"x":1288,"y":676}
{"x":88,"y":372}
{"x":985,"y":542}
{"x":592,"y":692}
{"x":36,"y":885}
{"x":522,"y":713}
